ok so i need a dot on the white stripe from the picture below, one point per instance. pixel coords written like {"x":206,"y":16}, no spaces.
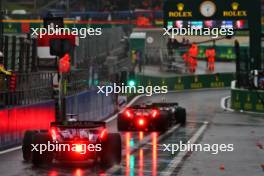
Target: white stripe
{"x":10,"y":150}
{"x":147,"y":139}
{"x":178,"y":159}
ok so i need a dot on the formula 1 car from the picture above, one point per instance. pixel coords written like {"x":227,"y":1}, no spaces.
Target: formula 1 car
{"x":73,"y":141}
{"x":152,"y":117}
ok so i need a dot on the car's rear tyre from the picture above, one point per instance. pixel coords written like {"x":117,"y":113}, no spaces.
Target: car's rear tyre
{"x":181,"y":115}
{"x":26,"y":145}
{"x":163,"y":123}
{"x":47,"y":156}
{"x":111,"y":150}
{"x":121,"y":125}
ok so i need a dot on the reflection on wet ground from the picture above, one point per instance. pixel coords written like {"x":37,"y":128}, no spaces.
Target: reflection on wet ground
{"x":142,"y":155}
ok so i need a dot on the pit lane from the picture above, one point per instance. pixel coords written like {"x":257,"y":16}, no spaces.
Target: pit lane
{"x":142,"y":152}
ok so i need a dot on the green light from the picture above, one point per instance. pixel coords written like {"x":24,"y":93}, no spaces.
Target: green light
{"x":131,"y":83}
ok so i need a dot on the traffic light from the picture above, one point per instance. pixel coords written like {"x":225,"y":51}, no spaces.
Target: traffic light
{"x":12,"y":82}
{"x":64,"y":64}
{"x":131,"y":80}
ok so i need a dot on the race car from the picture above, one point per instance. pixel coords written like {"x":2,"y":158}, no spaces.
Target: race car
{"x":73,"y":141}
{"x":151,"y":117}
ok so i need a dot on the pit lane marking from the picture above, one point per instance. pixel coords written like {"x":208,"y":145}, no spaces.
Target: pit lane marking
{"x":147,"y":139}
{"x":180,"y":156}
{"x":10,"y":150}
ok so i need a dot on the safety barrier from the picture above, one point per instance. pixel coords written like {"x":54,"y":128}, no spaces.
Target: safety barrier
{"x":90,"y":105}
{"x":14,"y":121}
{"x":247,"y":100}
{"x":217,"y":80}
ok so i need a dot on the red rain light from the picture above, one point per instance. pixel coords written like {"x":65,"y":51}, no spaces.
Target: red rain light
{"x":141,"y":122}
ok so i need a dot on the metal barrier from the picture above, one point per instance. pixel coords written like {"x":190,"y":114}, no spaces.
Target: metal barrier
{"x":16,"y":120}
{"x":247,"y":99}
{"x":218,"y":80}
{"x":25,"y":97}
{"x":91,"y":106}
{"x":34,"y":80}
{"x":20,"y":53}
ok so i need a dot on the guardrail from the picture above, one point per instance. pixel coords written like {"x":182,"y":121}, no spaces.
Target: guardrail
{"x":247,"y":99}
{"x":24,"y":97}
{"x":16,"y":120}
{"x":217,"y":80}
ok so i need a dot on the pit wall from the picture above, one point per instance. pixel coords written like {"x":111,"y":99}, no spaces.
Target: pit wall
{"x":247,"y":100}
{"x":90,"y":106}
{"x":188,"y":81}
{"x":15,"y":121}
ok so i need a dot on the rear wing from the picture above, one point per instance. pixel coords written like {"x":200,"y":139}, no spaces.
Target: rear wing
{"x":164,"y":104}
{"x":78,"y":124}
{"x":154,"y":105}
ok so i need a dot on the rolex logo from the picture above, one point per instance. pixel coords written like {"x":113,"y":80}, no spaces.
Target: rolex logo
{"x":180,"y":6}
{"x":195,"y":79}
{"x":234,"y":5}
{"x":216,"y":78}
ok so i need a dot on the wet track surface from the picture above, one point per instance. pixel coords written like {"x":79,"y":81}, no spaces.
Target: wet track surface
{"x":142,"y":152}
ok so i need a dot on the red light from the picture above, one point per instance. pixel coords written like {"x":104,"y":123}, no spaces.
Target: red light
{"x":128,"y":113}
{"x":155,"y":113}
{"x":53,"y":133}
{"x":103,"y":134}
{"x":141,"y":122}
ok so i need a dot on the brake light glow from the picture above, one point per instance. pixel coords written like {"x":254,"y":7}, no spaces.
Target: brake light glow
{"x":78,"y":148}
{"x":141,"y":122}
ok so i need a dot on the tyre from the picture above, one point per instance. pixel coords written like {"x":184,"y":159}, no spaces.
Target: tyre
{"x":47,"y":156}
{"x":181,"y":115}
{"x":111,"y":151}
{"x":121,"y":125}
{"x":162,"y":124}
{"x":26,"y":145}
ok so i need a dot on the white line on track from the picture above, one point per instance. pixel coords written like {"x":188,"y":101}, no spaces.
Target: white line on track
{"x":180,"y":156}
{"x":10,"y":150}
{"x":144,"y":142}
